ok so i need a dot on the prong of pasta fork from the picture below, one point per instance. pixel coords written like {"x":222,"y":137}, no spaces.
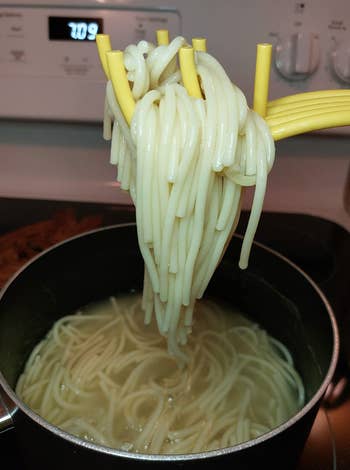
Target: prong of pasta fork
{"x":162,"y":37}
{"x":189,"y":72}
{"x":262,"y":78}
{"x":120,"y":83}
{"x":103,"y":44}
{"x":199,"y":44}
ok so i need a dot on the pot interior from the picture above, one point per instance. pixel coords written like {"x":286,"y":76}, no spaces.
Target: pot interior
{"x":106,"y":262}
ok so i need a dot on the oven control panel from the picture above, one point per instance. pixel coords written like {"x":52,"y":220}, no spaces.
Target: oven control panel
{"x":49,"y":68}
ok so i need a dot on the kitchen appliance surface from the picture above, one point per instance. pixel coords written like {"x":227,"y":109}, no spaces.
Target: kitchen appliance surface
{"x":53,"y":157}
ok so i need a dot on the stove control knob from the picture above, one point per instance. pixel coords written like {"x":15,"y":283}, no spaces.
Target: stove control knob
{"x":298,"y":55}
{"x":340,"y":59}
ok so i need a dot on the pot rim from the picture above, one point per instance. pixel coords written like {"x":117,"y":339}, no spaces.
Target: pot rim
{"x":179,"y":457}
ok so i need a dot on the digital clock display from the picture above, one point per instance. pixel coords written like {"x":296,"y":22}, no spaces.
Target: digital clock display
{"x":64,"y":28}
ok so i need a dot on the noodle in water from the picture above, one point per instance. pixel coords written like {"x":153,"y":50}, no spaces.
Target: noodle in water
{"x":104,"y":376}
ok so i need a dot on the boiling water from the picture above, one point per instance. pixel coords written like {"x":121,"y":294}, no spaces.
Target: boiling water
{"x":105,"y":376}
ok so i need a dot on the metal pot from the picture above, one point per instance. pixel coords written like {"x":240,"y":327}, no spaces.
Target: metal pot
{"x":95,"y":265}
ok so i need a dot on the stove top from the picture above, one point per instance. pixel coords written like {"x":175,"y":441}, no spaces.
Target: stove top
{"x":320,"y":247}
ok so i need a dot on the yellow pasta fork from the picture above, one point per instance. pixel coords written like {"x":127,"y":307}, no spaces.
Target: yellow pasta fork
{"x":286,"y":117}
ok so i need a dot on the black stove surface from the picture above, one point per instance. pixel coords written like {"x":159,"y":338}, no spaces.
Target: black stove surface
{"x":320,"y":247}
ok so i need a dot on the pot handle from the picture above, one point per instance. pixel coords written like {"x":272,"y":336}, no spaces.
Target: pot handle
{"x":7,"y":410}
